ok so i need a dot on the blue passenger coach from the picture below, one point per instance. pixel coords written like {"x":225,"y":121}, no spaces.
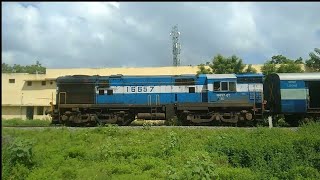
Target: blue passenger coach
{"x":293,"y":94}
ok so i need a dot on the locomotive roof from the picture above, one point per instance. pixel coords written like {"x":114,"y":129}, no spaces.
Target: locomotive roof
{"x":250,"y":75}
{"x":220,"y":76}
{"x":298,"y":76}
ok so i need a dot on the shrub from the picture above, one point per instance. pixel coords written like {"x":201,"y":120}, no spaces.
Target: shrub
{"x":21,"y":152}
{"x":170,"y":144}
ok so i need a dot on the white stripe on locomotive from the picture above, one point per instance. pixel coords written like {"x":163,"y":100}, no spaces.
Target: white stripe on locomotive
{"x":177,"y":89}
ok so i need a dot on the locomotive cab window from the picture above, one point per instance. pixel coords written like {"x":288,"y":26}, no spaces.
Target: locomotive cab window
{"x":224,"y":86}
{"x":232,"y":86}
{"x":216,"y":86}
{"x":101,"y":91}
{"x":110,"y":92}
{"x":192,"y":89}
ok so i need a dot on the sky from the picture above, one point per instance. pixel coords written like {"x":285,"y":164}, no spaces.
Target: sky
{"x":137,"y":34}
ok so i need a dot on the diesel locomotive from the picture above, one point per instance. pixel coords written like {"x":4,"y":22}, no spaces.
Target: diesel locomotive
{"x":193,"y":99}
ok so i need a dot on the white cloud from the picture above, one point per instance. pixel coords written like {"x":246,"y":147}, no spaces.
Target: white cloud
{"x":66,"y":34}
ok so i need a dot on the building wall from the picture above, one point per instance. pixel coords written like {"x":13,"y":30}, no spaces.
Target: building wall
{"x":20,"y":94}
{"x":11,"y":112}
{"x":17,"y":95}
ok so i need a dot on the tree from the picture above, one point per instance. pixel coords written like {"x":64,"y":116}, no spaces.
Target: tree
{"x":16,"y":68}
{"x":290,"y":67}
{"x":250,"y":69}
{"x":222,"y":65}
{"x":6,"y":68}
{"x":203,"y":69}
{"x":279,"y":59}
{"x":314,"y":62}
{"x":268,"y":68}
{"x":299,"y":60}
{"x":281,"y":64}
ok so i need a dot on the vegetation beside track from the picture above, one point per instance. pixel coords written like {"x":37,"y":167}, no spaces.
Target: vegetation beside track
{"x":26,"y":123}
{"x":161,"y":153}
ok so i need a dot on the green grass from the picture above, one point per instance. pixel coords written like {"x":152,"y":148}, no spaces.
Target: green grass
{"x":20,"y":122}
{"x":161,"y":153}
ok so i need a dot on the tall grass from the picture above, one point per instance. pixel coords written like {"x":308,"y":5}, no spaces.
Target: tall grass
{"x":162,"y":153}
{"x":20,"y":122}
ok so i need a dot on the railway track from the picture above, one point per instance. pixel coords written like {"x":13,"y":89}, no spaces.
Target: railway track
{"x":151,"y":127}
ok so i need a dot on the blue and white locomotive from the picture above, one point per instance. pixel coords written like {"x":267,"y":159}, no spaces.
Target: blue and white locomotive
{"x":204,"y":98}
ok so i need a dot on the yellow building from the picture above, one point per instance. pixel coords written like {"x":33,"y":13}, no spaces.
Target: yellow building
{"x":28,"y":96}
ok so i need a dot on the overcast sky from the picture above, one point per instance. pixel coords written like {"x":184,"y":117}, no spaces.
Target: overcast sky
{"x":135,"y":34}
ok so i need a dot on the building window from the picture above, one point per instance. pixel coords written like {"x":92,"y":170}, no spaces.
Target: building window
{"x":192,"y":89}
{"x":43,"y":83}
{"x":51,"y":82}
{"x":40,"y":110}
{"x":109,"y":92}
{"x":29,"y":83}
{"x":216,"y":86}
{"x":12,"y":80}
{"x":101,"y":91}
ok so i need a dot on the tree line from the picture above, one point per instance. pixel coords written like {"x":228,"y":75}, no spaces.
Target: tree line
{"x":277,"y":64}
{"x":219,"y":65}
{"x":31,"y":69}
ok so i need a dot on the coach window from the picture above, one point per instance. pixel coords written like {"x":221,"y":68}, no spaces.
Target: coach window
{"x":101,"y":91}
{"x":192,"y":89}
{"x":224,"y":86}
{"x":216,"y":86}
{"x":109,"y":92}
{"x":232,"y":86}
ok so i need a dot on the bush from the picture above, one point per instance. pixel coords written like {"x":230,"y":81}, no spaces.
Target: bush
{"x":162,"y":153}
{"x":17,"y":158}
{"x":273,"y":152}
{"x":20,"y":122}
{"x":171,"y":144}
{"x":21,"y":152}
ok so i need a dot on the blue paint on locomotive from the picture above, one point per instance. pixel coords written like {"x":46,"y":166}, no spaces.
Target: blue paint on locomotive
{"x":158,"y":90}
{"x":151,"y":90}
{"x":255,"y":81}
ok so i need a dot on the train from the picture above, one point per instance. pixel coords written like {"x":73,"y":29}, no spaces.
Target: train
{"x":192,"y":99}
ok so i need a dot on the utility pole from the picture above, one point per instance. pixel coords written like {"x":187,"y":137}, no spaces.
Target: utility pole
{"x":176,"y":47}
